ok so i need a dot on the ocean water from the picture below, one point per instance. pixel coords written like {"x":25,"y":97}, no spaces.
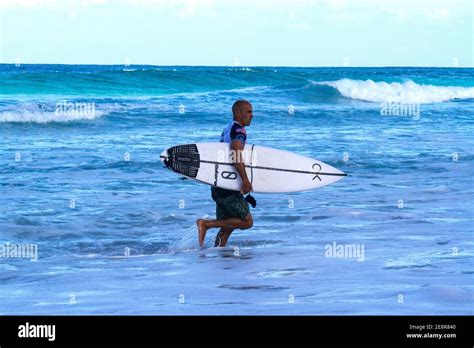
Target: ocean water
{"x":81,"y":180}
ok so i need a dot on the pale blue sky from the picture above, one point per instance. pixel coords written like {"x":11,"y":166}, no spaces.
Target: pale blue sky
{"x":245,"y":32}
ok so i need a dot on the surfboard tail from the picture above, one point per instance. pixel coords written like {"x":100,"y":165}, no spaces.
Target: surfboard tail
{"x":183,"y":159}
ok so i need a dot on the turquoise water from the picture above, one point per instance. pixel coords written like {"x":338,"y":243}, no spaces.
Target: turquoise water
{"x":80,"y":178}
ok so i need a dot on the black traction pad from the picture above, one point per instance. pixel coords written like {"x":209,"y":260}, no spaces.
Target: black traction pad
{"x":184,"y":159}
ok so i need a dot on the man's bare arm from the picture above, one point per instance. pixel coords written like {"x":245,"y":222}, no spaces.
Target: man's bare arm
{"x":237,"y":147}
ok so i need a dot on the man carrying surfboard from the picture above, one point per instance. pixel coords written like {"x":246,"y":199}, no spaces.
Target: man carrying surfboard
{"x":232,"y":210}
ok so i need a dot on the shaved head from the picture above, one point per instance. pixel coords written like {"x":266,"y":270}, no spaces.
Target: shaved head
{"x":243,"y":112}
{"x":238,"y":106}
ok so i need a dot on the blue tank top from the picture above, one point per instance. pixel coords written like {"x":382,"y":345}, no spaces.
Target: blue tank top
{"x":234,"y":131}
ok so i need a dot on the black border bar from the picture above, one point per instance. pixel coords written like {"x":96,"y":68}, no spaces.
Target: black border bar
{"x":240,"y":330}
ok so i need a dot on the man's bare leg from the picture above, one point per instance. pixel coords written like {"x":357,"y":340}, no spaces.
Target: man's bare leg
{"x":233,"y":223}
{"x":222,"y":236}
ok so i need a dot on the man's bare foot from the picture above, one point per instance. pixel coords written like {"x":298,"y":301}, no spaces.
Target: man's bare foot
{"x":202,"y":229}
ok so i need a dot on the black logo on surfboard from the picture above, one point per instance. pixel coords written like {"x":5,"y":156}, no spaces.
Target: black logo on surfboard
{"x":317,"y":171}
{"x":229,"y":175}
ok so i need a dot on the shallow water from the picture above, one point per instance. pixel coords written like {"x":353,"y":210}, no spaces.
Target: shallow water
{"x":115,"y":230}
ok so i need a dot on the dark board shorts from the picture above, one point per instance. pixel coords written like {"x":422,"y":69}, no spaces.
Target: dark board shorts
{"x":233,"y":205}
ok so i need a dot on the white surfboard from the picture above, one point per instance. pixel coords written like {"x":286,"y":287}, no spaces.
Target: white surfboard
{"x":269,"y":170}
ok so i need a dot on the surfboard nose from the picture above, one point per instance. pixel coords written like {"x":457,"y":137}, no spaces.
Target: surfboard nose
{"x":330,"y":169}
{"x":333,"y":174}
{"x":340,"y":172}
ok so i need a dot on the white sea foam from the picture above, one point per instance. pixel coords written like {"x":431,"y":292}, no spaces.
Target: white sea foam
{"x":188,"y":241}
{"x":395,"y":92}
{"x":45,"y":117}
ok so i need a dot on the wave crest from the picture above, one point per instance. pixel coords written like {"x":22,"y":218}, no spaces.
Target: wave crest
{"x":35,"y":113}
{"x":44,"y":117}
{"x":395,"y":92}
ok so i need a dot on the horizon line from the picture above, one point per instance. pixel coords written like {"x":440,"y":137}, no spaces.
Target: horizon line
{"x":246,"y":66}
